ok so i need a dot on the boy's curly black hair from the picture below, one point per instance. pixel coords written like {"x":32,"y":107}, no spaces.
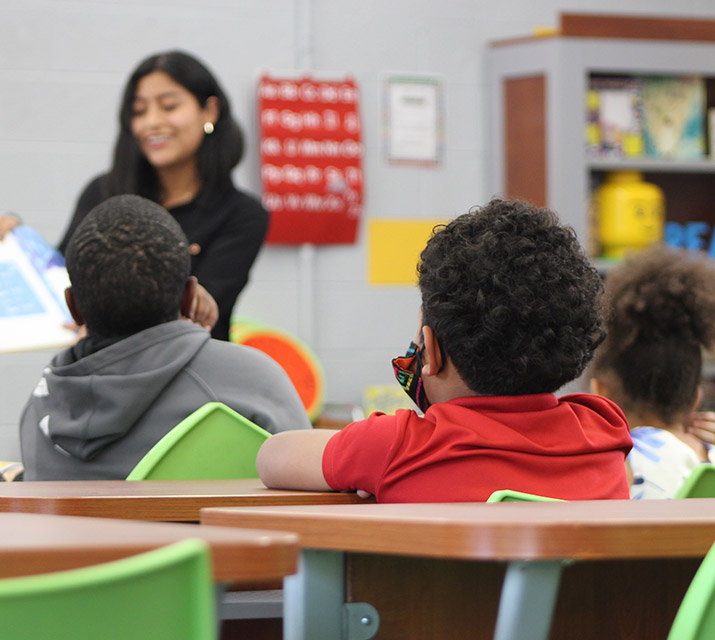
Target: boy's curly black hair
{"x":512,"y":298}
{"x":662,"y":313}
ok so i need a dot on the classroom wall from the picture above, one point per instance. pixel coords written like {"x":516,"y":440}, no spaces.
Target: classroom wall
{"x":63,"y":64}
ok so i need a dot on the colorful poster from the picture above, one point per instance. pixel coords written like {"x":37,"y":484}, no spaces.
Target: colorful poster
{"x":311,"y":159}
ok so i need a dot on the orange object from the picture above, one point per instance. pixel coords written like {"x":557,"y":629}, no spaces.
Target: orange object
{"x":293,"y":355}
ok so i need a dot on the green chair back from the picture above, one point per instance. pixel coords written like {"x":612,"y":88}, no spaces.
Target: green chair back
{"x":213,"y":442}
{"x":695,"y":619}
{"x":166,"y":594}
{"x":699,"y":484}
{"x":507,"y":495}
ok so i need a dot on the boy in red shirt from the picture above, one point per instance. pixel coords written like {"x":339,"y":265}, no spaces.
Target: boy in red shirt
{"x":511,"y":311}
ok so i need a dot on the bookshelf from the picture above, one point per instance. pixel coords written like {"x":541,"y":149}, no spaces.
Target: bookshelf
{"x":537,"y":102}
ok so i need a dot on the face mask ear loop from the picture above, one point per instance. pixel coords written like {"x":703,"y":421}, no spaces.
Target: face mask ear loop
{"x":442,"y":353}
{"x":418,"y":361}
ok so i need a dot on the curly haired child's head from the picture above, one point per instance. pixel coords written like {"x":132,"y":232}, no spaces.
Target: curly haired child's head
{"x":512,"y":298}
{"x":661,"y":315}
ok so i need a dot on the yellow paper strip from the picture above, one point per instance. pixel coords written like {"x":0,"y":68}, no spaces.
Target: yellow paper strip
{"x":394,"y":247}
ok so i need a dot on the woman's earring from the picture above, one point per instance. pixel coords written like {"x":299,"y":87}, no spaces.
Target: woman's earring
{"x":208,"y":128}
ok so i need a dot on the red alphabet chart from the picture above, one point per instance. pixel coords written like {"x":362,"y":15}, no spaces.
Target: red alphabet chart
{"x":311,"y":159}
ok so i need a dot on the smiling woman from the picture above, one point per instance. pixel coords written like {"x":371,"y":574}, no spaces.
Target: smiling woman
{"x":177,"y":145}
{"x":169,"y":124}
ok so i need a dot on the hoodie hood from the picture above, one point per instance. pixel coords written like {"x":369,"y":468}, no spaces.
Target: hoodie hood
{"x":84,"y":405}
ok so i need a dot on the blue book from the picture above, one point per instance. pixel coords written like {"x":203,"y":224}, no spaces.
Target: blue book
{"x":33,"y":312}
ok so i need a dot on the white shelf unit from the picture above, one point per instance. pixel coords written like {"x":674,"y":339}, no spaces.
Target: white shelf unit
{"x":537,"y":103}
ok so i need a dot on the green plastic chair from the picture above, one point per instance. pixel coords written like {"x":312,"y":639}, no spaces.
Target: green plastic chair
{"x":695,"y":619}
{"x":166,"y":594}
{"x":507,"y":495}
{"x":699,"y":484}
{"x":213,"y":442}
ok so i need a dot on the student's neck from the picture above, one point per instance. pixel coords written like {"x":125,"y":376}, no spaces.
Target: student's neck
{"x":647,"y":419}
{"x":448,"y":385}
{"x":179,"y":185}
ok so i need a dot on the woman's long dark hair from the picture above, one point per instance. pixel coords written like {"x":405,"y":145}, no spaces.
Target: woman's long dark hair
{"x":218,"y":153}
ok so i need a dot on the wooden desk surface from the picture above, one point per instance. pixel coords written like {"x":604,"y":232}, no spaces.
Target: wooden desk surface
{"x":588,"y":530}
{"x":164,"y":500}
{"x":32,"y":543}
{"x":408,"y":560}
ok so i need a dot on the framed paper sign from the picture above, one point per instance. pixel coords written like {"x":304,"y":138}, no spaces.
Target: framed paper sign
{"x":413,"y":119}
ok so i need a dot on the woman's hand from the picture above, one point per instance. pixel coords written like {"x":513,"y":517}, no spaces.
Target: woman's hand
{"x":203,"y":309}
{"x":8,"y":221}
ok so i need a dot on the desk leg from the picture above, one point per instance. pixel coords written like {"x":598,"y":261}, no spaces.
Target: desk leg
{"x":219,"y":591}
{"x":314,"y":597}
{"x":527,"y":601}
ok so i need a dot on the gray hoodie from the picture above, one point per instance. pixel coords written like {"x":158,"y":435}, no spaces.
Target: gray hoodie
{"x":95,"y":417}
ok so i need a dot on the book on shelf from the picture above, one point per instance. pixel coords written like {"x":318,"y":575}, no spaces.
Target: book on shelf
{"x":646,"y":116}
{"x":33,"y":312}
{"x":614,"y":126}
{"x":674,"y":116}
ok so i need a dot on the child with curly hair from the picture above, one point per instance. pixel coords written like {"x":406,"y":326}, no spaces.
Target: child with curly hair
{"x":662,"y":315}
{"x":511,"y":311}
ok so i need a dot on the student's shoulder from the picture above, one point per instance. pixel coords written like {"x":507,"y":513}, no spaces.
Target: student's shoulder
{"x":227,"y":350}
{"x":597,"y":404}
{"x":236,"y":360}
{"x":384,"y":424}
{"x":653,"y":436}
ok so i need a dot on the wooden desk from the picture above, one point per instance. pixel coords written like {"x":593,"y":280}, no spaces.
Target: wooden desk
{"x":635,"y":561}
{"x":161,"y":500}
{"x":31,"y":544}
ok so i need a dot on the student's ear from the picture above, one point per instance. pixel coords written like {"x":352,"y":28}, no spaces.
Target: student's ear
{"x":698,"y":398}
{"x":431,"y":353}
{"x":188,"y":300}
{"x":72,"y":306}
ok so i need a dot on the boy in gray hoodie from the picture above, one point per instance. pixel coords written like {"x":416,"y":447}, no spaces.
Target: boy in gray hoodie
{"x":103,"y":403}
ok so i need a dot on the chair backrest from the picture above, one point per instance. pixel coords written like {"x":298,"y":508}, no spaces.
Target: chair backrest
{"x":507,"y":495}
{"x":699,"y":484}
{"x":213,"y":442}
{"x":166,"y":594}
{"x":695,"y":619}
